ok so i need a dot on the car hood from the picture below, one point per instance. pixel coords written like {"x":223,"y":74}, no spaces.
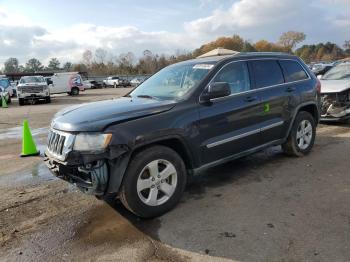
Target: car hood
{"x":96,"y":116}
{"x":334,"y":86}
{"x":32,"y":84}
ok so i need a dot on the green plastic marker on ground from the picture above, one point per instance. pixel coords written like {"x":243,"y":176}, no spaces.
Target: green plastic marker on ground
{"x":28,"y":144}
{"x":3,"y":102}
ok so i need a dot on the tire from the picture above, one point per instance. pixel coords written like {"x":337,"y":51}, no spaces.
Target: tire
{"x":302,"y":145}
{"x":74,"y":91}
{"x":48,"y":100}
{"x":9,"y":101}
{"x":135,"y":200}
{"x":21,"y":101}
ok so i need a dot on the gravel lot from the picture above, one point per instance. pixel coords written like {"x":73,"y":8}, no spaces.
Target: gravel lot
{"x":265,"y":207}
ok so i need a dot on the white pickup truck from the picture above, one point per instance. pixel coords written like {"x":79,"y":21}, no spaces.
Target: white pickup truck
{"x":32,"y":88}
{"x":111,"y":81}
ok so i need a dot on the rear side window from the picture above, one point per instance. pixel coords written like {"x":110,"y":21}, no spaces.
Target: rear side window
{"x":293,"y":71}
{"x":267,"y":73}
{"x":236,"y":74}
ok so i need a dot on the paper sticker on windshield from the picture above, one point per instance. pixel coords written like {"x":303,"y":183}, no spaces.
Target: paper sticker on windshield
{"x":203,"y":66}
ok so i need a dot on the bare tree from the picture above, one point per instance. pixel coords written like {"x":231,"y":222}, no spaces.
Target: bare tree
{"x":347,"y":45}
{"x":87,"y":57}
{"x":100,"y":55}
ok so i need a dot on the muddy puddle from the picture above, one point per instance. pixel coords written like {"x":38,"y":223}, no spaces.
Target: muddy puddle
{"x":16,"y":132}
{"x":36,"y":174}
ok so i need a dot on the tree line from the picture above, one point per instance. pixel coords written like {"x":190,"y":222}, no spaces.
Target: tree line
{"x":101,"y":62}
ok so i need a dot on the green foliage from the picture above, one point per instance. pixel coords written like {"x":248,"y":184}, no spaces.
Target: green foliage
{"x":11,"y":65}
{"x":320,"y":52}
{"x":33,"y":65}
{"x":54,"y":64}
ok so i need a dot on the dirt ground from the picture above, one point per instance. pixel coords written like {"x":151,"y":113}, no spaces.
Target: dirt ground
{"x":265,"y":207}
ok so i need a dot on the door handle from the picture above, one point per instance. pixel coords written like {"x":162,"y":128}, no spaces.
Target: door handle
{"x":290,"y":89}
{"x":250,"y":98}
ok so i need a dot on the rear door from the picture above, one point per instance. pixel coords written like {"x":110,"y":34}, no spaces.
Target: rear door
{"x":229,"y":125}
{"x":278,"y":99}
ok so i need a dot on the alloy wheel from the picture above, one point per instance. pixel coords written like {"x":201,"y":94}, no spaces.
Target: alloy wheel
{"x":157,"y":182}
{"x":304,"y":134}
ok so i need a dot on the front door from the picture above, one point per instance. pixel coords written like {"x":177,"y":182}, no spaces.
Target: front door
{"x":229,"y":125}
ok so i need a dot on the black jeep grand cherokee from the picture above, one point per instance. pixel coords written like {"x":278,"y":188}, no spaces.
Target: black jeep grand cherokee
{"x":189,"y":116}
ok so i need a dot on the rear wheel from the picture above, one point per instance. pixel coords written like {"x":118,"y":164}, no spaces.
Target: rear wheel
{"x":302,"y":136}
{"x":154,"y":182}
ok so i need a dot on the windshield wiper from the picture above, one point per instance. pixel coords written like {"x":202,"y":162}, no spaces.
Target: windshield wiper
{"x":146,"y":96}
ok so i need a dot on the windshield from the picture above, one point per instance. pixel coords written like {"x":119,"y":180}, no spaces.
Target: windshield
{"x":173,"y":82}
{"x":337,"y":73}
{"x":5,"y":83}
{"x":31,"y":79}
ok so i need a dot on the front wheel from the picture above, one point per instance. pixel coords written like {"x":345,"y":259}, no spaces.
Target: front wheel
{"x":154,"y":182}
{"x":302,"y":136}
{"x":21,"y":101}
{"x":74,"y":91}
{"x":48,"y":99}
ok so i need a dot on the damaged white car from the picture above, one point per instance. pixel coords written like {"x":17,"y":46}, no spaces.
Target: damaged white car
{"x":335,"y":94}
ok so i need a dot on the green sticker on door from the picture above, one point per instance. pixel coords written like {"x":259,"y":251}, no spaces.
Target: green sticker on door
{"x":266,"y":107}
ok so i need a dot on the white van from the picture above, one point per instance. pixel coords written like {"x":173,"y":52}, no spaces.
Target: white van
{"x":70,"y":83}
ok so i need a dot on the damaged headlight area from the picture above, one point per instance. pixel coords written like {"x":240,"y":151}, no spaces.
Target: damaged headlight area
{"x":91,"y":141}
{"x":335,"y":105}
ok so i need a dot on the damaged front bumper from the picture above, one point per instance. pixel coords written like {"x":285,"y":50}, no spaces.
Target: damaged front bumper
{"x":91,"y":178}
{"x":93,"y":172}
{"x":335,"y":106}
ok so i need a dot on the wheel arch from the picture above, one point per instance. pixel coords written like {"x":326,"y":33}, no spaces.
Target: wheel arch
{"x":310,"y":107}
{"x":174,"y":142}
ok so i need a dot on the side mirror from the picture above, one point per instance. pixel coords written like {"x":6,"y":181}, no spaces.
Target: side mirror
{"x":216,"y":90}
{"x":319,"y":77}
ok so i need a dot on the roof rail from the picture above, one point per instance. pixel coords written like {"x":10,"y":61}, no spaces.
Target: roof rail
{"x":264,"y":53}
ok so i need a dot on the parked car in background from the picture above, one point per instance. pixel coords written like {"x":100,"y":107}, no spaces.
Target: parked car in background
{"x":6,"y":85}
{"x":5,"y":89}
{"x":70,"y":83}
{"x":14,"y":88}
{"x":188,"y":117}
{"x":93,"y":84}
{"x":335,"y":93}
{"x":32,"y":88}
{"x":136,"y":82}
{"x":87,"y":84}
{"x":321,"y":69}
{"x":124,"y":82}
{"x":111,"y":81}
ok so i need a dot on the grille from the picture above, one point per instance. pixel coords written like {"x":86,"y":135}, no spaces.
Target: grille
{"x":55,"y":143}
{"x":32,"y":89}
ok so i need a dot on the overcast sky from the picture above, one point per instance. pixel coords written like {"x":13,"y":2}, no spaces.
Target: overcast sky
{"x":64,"y":29}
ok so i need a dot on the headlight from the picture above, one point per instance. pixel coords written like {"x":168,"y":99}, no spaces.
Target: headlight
{"x":91,"y":141}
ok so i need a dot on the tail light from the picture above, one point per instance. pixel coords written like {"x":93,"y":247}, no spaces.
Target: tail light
{"x":318,"y":86}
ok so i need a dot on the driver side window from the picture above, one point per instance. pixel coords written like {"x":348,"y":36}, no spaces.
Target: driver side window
{"x":236,"y":74}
